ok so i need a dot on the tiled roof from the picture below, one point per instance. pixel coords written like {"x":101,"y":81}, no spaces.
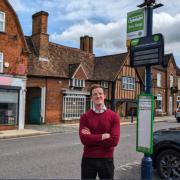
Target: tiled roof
{"x":60,"y":57}
{"x":177,"y":70}
{"x":73,"y":68}
{"x":106,"y":67}
{"x":167,"y":58}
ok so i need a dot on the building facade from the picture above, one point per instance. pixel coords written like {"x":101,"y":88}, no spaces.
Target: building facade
{"x":165,"y":86}
{"x":13,"y":69}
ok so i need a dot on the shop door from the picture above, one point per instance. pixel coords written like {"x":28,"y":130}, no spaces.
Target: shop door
{"x":35,"y":111}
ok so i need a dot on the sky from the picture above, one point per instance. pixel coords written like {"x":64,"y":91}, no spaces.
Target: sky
{"x":104,"y":20}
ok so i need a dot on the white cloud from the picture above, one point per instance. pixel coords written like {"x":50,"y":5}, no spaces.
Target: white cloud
{"x":21,"y":6}
{"x":109,"y":38}
{"x":169,"y":26}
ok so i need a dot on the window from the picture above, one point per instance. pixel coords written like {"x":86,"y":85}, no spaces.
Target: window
{"x":2,"y":21}
{"x":171,"y":80}
{"x":1,"y":62}
{"x":158,"y":80}
{"x":159,"y":102}
{"x":178,"y":83}
{"x":8,"y":106}
{"x":104,"y":84}
{"x":128,"y":83}
{"x":73,"y":106}
{"x":77,"y":83}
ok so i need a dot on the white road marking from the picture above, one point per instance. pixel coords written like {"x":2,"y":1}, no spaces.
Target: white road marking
{"x":124,"y":167}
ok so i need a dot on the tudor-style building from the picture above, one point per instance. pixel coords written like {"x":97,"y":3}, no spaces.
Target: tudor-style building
{"x":121,"y":80}
{"x":13,"y":69}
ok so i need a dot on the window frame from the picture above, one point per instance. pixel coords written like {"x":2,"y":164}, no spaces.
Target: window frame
{"x":159,"y":79}
{"x":77,"y":83}
{"x":171,"y":81}
{"x":105,"y":84}
{"x":73,"y":106}
{"x":1,"y":62}
{"x":2,"y":21}
{"x":159,"y":99}
{"x":178,"y":83}
{"x":128,"y":83}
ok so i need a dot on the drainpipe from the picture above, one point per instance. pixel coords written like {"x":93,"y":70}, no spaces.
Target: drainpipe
{"x":113,"y":90}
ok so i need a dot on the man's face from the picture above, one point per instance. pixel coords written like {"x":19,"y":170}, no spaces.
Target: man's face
{"x":98,"y":96}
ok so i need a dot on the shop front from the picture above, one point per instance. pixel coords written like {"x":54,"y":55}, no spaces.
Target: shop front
{"x":12,"y":102}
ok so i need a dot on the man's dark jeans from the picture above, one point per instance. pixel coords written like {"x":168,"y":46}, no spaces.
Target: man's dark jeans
{"x":91,"y":167}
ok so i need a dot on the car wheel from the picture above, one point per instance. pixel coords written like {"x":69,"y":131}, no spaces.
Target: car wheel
{"x":168,"y":164}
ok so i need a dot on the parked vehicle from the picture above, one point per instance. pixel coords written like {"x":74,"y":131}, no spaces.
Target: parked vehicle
{"x":178,"y":114}
{"x":166,"y":155}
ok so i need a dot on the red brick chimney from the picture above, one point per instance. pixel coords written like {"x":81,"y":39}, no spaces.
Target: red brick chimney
{"x":86,"y":43}
{"x":39,"y":36}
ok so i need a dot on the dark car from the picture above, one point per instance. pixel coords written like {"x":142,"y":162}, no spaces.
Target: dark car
{"x":166,"y":155}
{"x":177,"y":114}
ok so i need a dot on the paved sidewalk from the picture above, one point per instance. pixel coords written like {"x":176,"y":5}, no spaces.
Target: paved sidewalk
{"x":34,"y":130}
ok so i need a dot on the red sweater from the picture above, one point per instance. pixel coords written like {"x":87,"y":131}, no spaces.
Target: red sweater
{"x":99,"y":123}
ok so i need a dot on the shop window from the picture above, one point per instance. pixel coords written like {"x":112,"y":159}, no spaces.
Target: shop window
{"x":128,"y":83}
{"x":73,"y":106}
{"x":159,"y":102}
{"x":158,"y":80}
{"x":2,"y":21}
{"x":8,"y":107}
{"x":1,"y":62}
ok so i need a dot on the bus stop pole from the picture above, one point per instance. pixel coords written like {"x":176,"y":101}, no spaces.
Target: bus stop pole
{"x":146,"y":164}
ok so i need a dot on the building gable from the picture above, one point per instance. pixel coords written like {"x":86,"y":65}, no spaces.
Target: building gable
{"x":80,"y":73}
{"x":172,"y":63}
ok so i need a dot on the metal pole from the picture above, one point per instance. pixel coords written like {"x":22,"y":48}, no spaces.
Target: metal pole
{"x":146,"y":164}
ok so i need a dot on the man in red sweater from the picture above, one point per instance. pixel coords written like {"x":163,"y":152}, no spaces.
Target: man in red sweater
{"x":99,"y":132}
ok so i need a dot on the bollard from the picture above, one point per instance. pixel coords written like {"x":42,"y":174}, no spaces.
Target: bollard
{"x":146,"y":168}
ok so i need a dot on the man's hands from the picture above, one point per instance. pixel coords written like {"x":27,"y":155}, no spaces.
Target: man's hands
{"x":87,"y":131}
{"x":105,"y":136}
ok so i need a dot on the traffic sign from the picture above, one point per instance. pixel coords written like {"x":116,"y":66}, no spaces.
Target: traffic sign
{"x":147,"y":51}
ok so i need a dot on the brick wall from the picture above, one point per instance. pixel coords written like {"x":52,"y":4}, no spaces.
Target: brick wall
{"x":12,"y":43}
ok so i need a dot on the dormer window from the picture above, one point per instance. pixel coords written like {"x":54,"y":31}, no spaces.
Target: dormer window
{"x":104,"y":84}
{"x":2,"y":21}
{"x":77,"y":83}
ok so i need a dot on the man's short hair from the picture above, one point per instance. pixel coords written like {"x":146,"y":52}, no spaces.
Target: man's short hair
{"x":94,"y":86}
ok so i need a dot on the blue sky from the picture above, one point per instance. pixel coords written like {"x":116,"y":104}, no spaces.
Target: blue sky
{"x":104,"y":20}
